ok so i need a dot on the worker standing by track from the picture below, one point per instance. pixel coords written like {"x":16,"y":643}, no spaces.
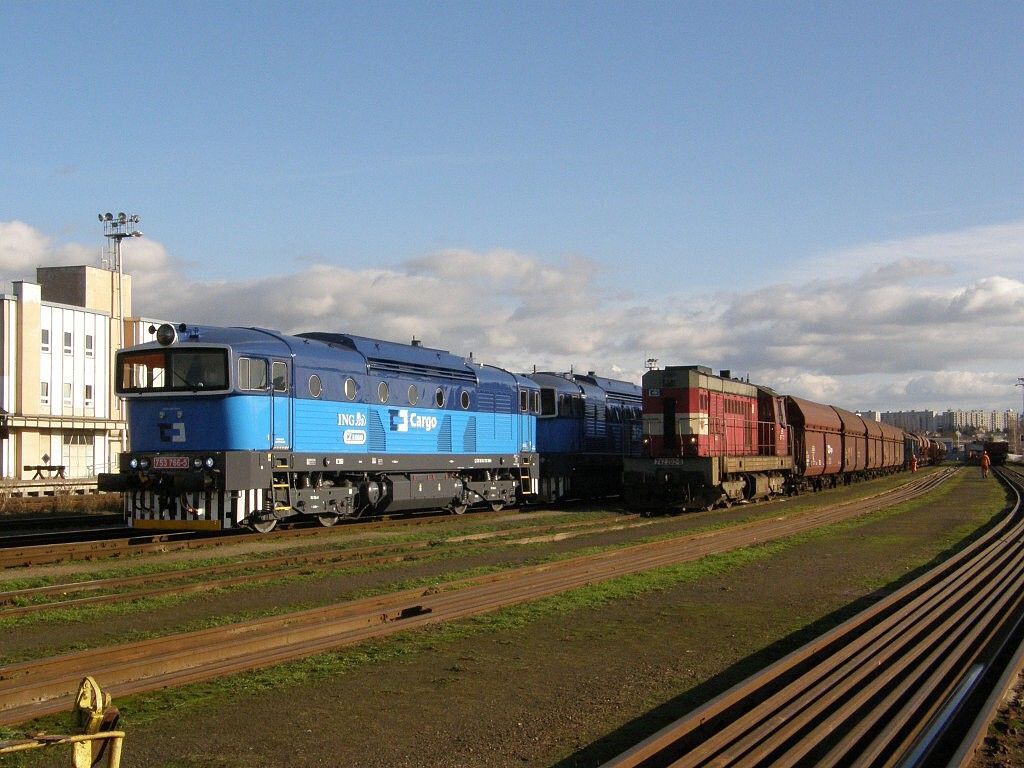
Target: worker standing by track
{"x":986,"y":462}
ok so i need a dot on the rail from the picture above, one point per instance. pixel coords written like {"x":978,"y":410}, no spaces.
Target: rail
{"x":890,"y":687}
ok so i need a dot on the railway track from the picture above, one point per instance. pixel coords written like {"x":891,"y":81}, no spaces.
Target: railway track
{"x":912,"y":681}
{"x":253,"y":570}
{"x":31,"y":689}
{"x":20,"y":523}
{"x":121,"y":545}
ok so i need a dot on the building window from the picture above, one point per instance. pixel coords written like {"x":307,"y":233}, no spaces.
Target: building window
{"x":44,"y":392}
{"x":88,"y":395}
{"x":67,"y":342}
{"x":46,"y":339}
{"x":67,"y":393}
{"x":89,"y":350}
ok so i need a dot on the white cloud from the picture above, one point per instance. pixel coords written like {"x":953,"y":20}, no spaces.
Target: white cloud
{"x":924,"y":322}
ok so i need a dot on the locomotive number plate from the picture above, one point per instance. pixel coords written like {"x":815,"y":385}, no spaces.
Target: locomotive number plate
{"x":170,"y":462}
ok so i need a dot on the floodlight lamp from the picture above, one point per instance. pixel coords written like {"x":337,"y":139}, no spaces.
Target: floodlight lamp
{"x":100,"y":216}
{"x":137,"y":233}
{"x":108,"y":216}
{"x":121,"y":216}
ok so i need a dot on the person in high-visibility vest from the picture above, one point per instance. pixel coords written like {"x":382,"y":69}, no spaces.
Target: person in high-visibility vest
{"x":986,"y":462}
{"x":913,"y":464}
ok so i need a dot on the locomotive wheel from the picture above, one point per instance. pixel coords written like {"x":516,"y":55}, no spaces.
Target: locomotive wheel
{"x":327,"y":520}
{"x":497,"y":506}
{"x":458,"y":509}
{"x":264,"y":526}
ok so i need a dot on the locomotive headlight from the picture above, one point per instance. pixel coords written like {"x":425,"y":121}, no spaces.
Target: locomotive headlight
{"x":144,"y":463}
{"x":197,"y":462}
{"x":693,"y":440}
{"x":209,"y":462}
{"x":134,"y":463}
{"x":166,"y":334}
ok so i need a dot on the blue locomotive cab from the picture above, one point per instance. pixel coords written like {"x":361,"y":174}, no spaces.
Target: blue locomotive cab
{"x":206,"y":396}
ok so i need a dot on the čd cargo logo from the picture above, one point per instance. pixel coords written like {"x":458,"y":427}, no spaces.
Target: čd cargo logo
{"x":402,"y":420}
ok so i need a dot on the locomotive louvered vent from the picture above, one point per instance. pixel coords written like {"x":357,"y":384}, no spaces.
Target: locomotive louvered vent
{"x":378,"y":437}
{"x":469,"y":436}
{"x":444,"y":437}
{"x":394,"y":368}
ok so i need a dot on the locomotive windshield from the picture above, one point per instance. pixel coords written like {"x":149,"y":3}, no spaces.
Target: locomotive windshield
{"x":173,"y":370}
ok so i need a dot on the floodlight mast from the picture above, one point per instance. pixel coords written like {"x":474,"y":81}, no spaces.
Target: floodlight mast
{"x":115,"y":229}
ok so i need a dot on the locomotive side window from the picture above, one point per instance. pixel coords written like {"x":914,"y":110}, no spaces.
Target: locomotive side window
{"x":382,"y":392}
{"x":414,"y":394}
{"x":258,"y":374}
{"x":252,"y":373}
{"x":350,"y":388}
{"x":535,"y":402}
{"x":523,"y":404}
{"x":547,"y":402}
{"x":439,"y":397}
{"x":280,"y":376}
{"x":465,"y":400}
{"x":315,"y":387}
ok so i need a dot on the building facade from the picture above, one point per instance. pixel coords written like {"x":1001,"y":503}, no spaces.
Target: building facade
{"x":912,"y":421}
{"x":57,"y":341}
{"x":988,"y":421}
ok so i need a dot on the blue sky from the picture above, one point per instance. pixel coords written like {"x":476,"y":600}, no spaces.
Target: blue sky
{"x":686,"y":154}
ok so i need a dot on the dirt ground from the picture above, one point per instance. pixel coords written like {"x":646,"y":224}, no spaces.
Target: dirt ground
{"x":1004,"y":746}
{"x":570,"y":689}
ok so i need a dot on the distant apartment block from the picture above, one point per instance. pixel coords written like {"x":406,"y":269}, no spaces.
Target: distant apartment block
{"x":912,"y":421}
{"x":989,"y":421}
{"x":57,"y":341}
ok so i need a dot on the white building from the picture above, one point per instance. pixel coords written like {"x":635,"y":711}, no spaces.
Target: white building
{"x":989,"y":421}
{"x":57,"y":340}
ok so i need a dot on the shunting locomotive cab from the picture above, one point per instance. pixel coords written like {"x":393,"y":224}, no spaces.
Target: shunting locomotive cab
{"x":709,"y":440}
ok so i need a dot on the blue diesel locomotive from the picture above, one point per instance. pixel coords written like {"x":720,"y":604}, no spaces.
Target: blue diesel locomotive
{"x":247,"y":426}
{"x":587,"y":425}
